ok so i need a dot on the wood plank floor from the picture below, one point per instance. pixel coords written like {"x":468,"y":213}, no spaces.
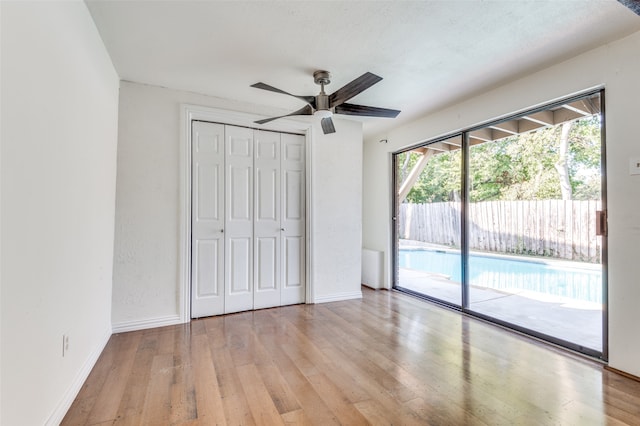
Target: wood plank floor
{"x":387,"y":359}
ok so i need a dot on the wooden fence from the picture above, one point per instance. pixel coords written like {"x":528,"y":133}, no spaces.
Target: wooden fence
{"x":552,"y":228}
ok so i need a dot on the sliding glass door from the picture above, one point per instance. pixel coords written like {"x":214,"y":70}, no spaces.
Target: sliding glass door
{"x":428,"y":227}
{"x":535,"y":257}
{"x":510,"y":225}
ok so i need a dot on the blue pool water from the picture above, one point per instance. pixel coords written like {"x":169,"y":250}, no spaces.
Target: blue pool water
{"x":577,"y":283}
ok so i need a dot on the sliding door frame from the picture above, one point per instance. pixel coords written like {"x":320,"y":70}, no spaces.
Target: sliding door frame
{"x":395,"y":213}
{"x":464,"y":218}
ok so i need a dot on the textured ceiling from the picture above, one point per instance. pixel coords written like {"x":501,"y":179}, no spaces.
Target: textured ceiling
{"x":430,"y":53}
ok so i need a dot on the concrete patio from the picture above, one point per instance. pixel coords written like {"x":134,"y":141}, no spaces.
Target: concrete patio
{"x":567,"y":319}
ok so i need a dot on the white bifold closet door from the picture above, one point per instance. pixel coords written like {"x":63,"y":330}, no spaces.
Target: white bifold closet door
{"x":267,"y":228}
{"x":247,"y":219}
{"x":292,"y":219}
{"x":207,"y":219}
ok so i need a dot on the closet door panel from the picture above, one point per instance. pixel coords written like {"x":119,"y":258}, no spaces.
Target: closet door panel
{"x":239,"y":219}
{"x":267,"y":231}
{"x":266,"y":278}
{"x":293,"y":262}
{"x":293,"y":219}
{"x":240,"y":267}
{"x":207,"y":219}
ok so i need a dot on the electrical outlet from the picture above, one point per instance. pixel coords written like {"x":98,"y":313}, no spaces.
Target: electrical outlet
{"x":634,"y":166}
{"x":65,"y":344}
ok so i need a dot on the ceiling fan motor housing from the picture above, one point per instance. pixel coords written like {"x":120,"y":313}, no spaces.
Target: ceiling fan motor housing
{"x":322,"y":100}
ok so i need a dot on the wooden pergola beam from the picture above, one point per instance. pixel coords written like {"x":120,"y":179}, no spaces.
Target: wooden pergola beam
{"x":497,"y":134}
{"x":529,"y":123}
{"x":511,"y":126}
{"x":440,"y":146}
{"x":543,"y":117}
{"x":586,"y":107}
{"x":414,"y":174}
{"x":454,"y":143}
{"x":485,"y":134}
{"x":563,"y":115}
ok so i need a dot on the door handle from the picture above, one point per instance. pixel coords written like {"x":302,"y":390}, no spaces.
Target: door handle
{"x":601,"y":222}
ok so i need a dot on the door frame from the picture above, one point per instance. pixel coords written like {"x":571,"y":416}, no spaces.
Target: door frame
{"x":464,"y":219}
{"x":190,"y":113}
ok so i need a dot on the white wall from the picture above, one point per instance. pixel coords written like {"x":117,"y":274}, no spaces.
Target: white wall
{"x":617,"y":67}
{"x":59,"y":139}
{"x":336,"y":242}
{"x":146,"y":281}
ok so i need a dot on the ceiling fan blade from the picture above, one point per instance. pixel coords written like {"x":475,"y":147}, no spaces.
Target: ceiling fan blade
{"x":350,"y":90}
{"x":362,"y":110}
{"x":305,"y":110}
{"x":311,"y":100}
{"x":327,"y":126}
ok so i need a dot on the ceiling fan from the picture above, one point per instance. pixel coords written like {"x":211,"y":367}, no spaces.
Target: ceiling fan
{"x":325,"y":106}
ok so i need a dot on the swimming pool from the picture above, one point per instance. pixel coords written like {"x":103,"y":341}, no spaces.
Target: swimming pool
{"x":556,"y":278}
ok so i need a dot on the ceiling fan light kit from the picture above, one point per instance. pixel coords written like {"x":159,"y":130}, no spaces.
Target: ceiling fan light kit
{"x":323,"y":113}
{"x":324,"y":106}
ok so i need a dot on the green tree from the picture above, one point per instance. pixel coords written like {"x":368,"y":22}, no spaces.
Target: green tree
{"x":440,"y":179}
{"x":522,"y":167}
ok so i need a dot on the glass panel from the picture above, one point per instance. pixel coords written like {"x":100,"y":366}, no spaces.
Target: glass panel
{"x":534,"y":190}
{"x":428,"y":227}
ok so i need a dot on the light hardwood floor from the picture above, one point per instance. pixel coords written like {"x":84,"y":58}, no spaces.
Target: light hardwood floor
{"x":387,"y":359}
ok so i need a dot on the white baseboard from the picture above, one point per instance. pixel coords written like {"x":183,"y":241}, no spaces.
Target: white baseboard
{"x":125,"y":326}
{"x":67,"y":399}
{"x":337,"y":297}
